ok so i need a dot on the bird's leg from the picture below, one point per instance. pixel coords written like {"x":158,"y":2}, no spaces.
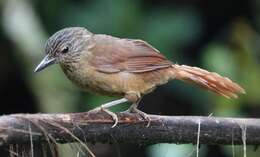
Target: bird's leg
{"x":136,"y":98}
{"x":105,"y":107}
{"x":133,"y":109}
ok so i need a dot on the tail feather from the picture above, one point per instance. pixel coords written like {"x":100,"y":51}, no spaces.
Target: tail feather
{"x":208,"y":80}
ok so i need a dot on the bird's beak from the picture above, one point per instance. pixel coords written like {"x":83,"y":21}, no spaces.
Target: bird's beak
{"x":47,"y":60}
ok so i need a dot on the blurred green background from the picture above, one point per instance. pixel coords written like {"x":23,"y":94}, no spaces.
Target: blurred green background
{"x":218,"y":35}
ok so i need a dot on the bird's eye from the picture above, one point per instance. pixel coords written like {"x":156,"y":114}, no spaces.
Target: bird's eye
{"x":65,"y":50}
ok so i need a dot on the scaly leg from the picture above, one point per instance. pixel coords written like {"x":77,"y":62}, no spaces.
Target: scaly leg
{"x":133,"y":109}
{"x":105,"y":107}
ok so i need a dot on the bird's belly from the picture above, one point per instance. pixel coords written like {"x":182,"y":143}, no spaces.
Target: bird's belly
{"x":94,"y":82}
{"x":115,"y":83}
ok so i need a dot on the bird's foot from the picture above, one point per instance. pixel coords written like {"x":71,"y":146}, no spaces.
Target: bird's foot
{"x":144,"y":115}
{"x":110,"y":113}
{"x":105,"y":107}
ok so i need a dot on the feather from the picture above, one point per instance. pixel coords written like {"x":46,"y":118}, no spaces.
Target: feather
{"x":134,"y":56}
{"x":208,"y":80}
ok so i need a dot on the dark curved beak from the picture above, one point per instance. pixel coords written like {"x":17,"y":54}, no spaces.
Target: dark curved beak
{"x":47,"y":61}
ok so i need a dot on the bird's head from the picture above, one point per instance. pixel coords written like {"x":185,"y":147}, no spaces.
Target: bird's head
{"x":64,"y":46}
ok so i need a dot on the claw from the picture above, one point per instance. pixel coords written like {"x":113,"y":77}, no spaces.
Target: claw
{"x":141,"y":113}
{"x":105,"y":107}
{"x":113,"y":115}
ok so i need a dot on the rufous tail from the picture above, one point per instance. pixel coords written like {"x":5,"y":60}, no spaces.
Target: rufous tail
{"x":208,"y":80}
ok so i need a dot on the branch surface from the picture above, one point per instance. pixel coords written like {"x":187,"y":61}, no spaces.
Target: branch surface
{"x":96,"y":127}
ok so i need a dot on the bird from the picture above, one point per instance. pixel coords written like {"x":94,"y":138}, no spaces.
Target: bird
{"x":127,"y":68}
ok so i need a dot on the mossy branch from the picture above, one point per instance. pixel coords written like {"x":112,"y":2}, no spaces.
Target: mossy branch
{"x":96,"y":127}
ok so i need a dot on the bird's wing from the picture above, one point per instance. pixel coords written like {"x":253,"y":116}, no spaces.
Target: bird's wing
{"x":112,"y":55}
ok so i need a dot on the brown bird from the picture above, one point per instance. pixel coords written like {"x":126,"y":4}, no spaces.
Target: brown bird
{"x":128,"y":68}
